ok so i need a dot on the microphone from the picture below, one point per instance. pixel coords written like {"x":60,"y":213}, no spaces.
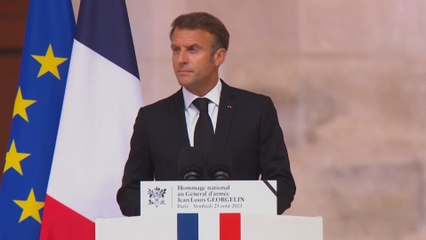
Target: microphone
{"x":190,"y":163}
{"x":219,"y":163}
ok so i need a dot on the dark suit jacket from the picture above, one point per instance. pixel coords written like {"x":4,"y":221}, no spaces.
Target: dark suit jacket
{"x":247,"y":124}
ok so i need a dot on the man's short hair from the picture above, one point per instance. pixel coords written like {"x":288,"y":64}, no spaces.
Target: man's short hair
{"x":203,"y":21}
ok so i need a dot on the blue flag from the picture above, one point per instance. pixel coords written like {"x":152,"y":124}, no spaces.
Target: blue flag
{"x":35,"y":119}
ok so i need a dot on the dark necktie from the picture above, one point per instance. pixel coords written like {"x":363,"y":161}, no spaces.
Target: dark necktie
{"x":203,"y":134}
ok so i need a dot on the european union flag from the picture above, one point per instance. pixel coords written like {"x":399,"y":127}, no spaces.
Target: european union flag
{"x":38,"y":103}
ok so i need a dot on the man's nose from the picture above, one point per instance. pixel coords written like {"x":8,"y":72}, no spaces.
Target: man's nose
{"x":183,"y":57}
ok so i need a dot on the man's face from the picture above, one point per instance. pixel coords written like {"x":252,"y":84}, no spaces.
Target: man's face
{"x":194,"y":64}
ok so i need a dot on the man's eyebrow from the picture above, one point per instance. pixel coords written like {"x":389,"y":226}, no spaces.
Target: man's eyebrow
{"x":191,"y":46}
{"x":195,"y":45}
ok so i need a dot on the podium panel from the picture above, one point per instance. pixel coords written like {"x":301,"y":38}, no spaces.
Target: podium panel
{"x":208,"y":227}
{"x":167,"y":197}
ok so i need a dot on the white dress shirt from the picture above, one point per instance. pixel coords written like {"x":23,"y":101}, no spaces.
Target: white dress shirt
{"x":192,"y":113}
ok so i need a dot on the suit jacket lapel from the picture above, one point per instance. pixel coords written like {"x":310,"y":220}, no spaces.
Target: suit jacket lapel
{"x":177,"y":116}
{"x":227,"y":108}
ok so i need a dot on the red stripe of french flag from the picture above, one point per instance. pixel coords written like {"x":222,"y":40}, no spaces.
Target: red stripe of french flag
{"x":64,"y":223}
{"x":230,"y":226}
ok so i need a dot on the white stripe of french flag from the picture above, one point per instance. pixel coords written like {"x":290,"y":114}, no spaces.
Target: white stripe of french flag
{"x":102,"y":97}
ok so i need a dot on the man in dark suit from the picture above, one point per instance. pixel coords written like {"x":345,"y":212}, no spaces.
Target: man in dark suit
{"x":244,"y":123}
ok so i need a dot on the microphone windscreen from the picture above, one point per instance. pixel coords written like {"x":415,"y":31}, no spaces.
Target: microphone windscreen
{"x":190,"y":162}
{"x":219,"y":163}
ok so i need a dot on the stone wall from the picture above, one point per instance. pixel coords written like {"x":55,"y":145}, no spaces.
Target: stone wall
{"x":349,"y":82}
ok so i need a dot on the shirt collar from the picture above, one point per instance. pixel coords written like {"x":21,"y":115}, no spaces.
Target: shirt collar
{"x":213,"y":95}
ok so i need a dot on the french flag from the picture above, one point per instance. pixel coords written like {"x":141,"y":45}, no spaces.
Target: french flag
{"x":102,"y":97}
{"x":229,"y":227}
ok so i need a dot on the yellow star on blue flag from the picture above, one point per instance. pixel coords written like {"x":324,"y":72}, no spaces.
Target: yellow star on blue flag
{"x":37,"y":108}
{"x":21,"y":105}
{"x":30,"y":207}
{"x":49,"y":63}
{"x":14,"y":158}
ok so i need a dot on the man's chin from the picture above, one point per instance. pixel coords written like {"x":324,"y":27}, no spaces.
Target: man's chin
{"x":184,"y":81}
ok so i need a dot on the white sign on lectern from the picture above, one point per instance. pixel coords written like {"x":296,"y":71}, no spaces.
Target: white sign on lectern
{"x":165,"y":197}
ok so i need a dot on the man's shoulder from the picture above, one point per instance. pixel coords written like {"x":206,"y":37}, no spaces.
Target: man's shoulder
{"x":243,"y":94}
{"x":164,"y":104}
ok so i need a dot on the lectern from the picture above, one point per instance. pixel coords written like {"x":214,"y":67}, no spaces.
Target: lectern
{"x":209,"y":210}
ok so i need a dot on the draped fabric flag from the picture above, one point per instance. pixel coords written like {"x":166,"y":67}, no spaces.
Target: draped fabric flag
{"x":101,"y":102}
{"x":38,"y":103}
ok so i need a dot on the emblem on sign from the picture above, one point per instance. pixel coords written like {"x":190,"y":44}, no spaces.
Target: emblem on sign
{"x":156,"y":196}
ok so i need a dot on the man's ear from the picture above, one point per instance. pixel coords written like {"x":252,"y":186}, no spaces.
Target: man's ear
{"x":220,"y":56}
